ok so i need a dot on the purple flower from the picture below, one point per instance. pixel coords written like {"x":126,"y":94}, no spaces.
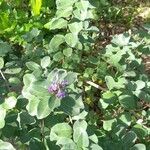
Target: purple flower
{"x":64,"y":83}
{"x":53,"y":87}
{"x":61,"y":94}
{"x":58,"y":88}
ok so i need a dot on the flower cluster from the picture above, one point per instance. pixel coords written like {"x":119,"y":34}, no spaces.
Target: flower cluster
{"x":58,"y":88}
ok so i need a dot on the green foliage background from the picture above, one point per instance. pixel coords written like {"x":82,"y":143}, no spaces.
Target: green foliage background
{"x":107,"y":106}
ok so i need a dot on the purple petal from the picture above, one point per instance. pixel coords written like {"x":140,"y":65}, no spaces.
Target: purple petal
{"x":50,"y":90}
{"x":53,"y":88}
{"x":61,"y":94}
{"x":64,"y":83}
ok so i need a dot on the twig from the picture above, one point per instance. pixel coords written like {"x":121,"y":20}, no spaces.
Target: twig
{"x":96,"y":85}
{"x":6,"y":82}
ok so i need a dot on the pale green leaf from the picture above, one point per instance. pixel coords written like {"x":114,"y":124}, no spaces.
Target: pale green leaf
{"x":126,"y":118}
{"x":121,"y":39}
{"x":58,"y":56}
{"x":108,"y":124}
{"x":55,"y":42}
{"x":32,"y":66}
{"x":2,"y":118}
{"x":10,"y":102}
{"x":140,"y":84}
{"x":63,"y":4}
{"x":67,"y":52}
{"x":6,"y":146}
{"x":138,"y":146}
{"x":60,"y":130}
{"x":75,"y":27}
{"x":56,"y":23}
{"x":95,"y":147}
{"x":71,"y":39}
{"x":64,"y":12}
{"x":80,"y":135}
{"x":45,"y":61}
{"x":46,"y":106}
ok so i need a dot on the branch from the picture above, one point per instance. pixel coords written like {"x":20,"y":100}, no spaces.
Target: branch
{"x":96,"y":85}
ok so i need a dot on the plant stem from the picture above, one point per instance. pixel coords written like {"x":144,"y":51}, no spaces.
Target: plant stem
{"x":6,"y":82}
{"x":42,"y":130}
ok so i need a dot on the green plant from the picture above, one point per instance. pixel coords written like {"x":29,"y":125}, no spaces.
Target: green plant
{"x":59,"y":91}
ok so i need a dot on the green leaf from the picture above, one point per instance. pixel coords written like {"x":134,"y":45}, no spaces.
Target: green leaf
{"x":3,"y":114}
{"x":121,"y":39}
{"x":6,"y":146}
{"x":108,"y":124}
{"x":56,"y":23}
{"x":28,"y":79}
{"x":32,"y":106}
{"x":140,"y":84}
{"x":83,"y":14}
{"x":64,"y":12}
{"x":46,"y":106}
{"x":32,"y":66}
{"x":128,"y":101}
{"x":39,"y":89}
{"x":117,"y":85}
{"x":75,"y":27}
{"x":1,"y":62}
{"x":55,"y":42}
{"x":95,"y":147}
{"x":80,"y":135}
{"x":110,"y":82}
{"x":15,"y":70}
{"x":30,"y":35}
{"x":82,"y":116}
{"x":118,"y":131}
{"x":56,"y":75}
{"x":125,"y":118}
{"x":60,"y":130}
{"x":4,"y":48}
{"x":67,"y":144}
{"x":138,"y":146}
{"x":9,"y":130}
{"x":103,"y":104}
{"x":45,"y":61}
{"x":63,"y":4}
{"x":142,"y":95}
{"x":25,"y":118}
{"x":10,"y":102}
{"x":129,"y":74}
{"x":58,"y":56}
{"x":109,"y":97}
{"x":36,"y":144}
{"x":129,"y":139}
{"x":71,"y":39}
{"x":140,"y":130}
{"x":28,"y":136}
{"x":72,"y":104}
{"x":67,"y":52}
{"x":14,"y":80}
{"x":71,"y":77}
{"x":84,"y":5}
